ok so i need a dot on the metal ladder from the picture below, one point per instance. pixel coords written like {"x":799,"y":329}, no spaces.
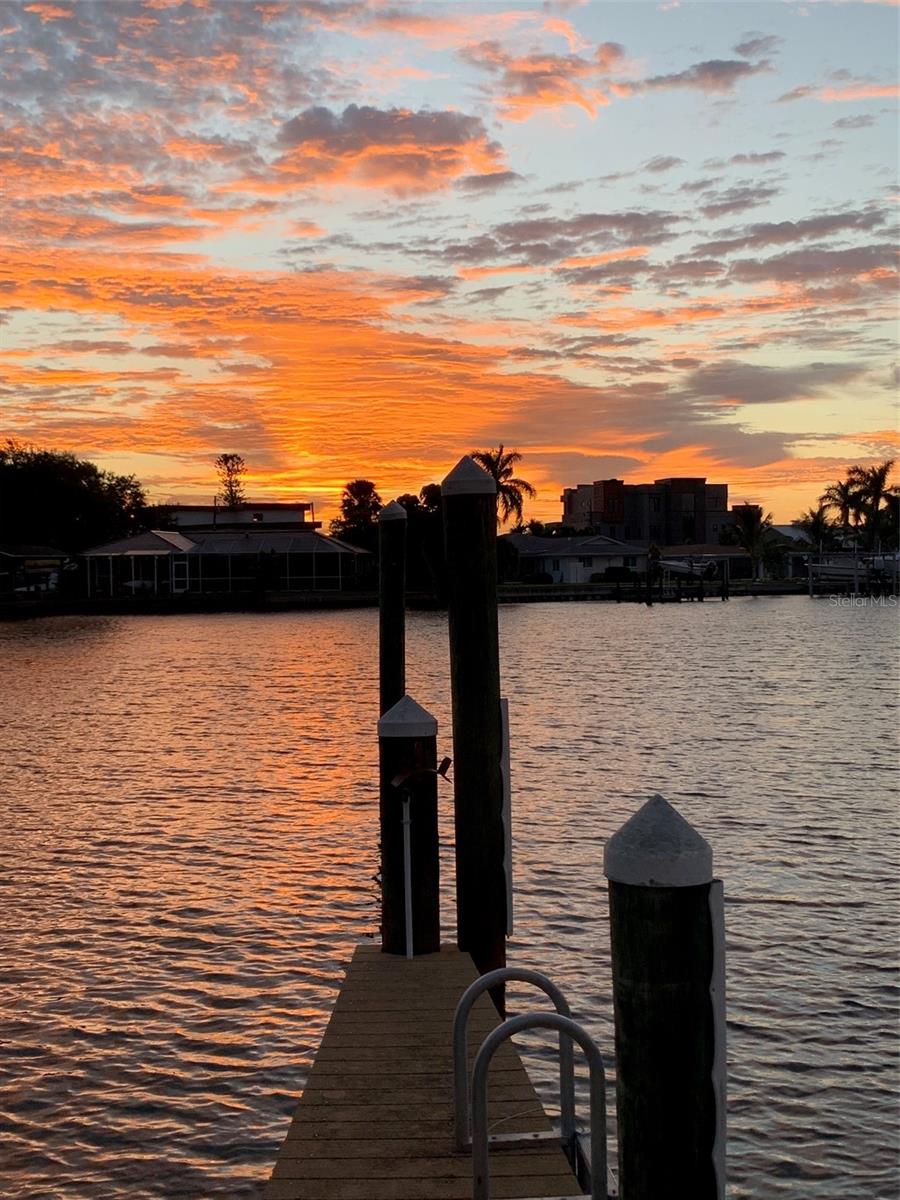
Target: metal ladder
{"x":592,"y":1174}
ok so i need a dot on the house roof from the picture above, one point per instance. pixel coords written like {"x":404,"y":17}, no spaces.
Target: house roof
{"x":156,"y":541}
{"x":255,"y":540}
{"x":703,"y":550}
{"x":244,"y":506}
{"x":792,"y":533}
{"x":262,"y":541}
{"x":10,"y":551}
{"x":591,"y":545}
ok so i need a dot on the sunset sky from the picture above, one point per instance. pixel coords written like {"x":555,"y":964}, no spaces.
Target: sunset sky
{"x":354,"y":239}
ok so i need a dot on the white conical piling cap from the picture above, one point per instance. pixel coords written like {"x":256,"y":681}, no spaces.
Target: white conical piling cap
{"x":468,"y":479}
{"x":407,"y":720}
{"x":392,"y":512}
{"x":657,"y":847}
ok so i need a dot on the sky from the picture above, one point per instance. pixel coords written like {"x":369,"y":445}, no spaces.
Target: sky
{"x":355,"y":239}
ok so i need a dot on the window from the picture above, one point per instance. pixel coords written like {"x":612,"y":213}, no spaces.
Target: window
{"x":586,"y":562}
{"x":629,"y":562}
{"x":556,"y":564}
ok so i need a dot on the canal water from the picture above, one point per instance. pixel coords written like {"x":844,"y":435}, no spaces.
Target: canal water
{"x":189,"y":817}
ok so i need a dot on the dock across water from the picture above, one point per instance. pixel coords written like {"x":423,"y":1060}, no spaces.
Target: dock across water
{"x":375,"y":1121}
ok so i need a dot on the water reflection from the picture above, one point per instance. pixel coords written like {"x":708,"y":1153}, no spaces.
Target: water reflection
{"x":190,"y":814}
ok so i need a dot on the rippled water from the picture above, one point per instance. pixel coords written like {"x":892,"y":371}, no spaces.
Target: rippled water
{"x":189,"y":813}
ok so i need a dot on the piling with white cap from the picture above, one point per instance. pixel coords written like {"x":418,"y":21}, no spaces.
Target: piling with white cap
{"x":668,"y":967}
{"x":391,"y":604}
{"x":469,"y":497}
{"x":410,"y":873}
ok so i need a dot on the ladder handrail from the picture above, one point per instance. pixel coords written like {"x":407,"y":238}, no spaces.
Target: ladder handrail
{"x":572,"y":1032}
{"x":460,"y":1050}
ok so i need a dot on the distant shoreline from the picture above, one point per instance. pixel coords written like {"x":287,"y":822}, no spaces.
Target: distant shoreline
{"x":30,"y":609}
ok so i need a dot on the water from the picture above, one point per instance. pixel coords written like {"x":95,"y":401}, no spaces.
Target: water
{"x":189,"y":818}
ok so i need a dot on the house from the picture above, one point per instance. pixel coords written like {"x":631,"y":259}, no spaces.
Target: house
{"x":575,"y":559}
{"x":271,"y":514}
{"x":212,"y":559}
{"x":796,"y":549}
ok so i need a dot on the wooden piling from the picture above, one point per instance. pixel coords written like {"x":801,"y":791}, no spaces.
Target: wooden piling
{"x":668,"y":968}
{"x":407,"y":744}
{"x":470,"y":531}
{"x":391,"y":604}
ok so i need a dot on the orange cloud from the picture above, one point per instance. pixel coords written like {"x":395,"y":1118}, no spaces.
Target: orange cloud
{"x":304,"y":372}
{"x":527,"y":84}
{"x":305,"y":229}
{"x":500,"y":269}
{"x":49,"y":12}
{"x":859,"y":91}
{"x":399,"y":149}
{"x":136,"y":130}
{"x":593,"y":260}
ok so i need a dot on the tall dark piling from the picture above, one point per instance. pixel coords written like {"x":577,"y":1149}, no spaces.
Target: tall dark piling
{"x":391,"y":604}
{"x":407,"y":745}
{"x":470,"y":530}
{"x":668,"y":968}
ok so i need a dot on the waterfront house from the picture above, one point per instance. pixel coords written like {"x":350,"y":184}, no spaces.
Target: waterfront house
{"x":575,"y":559}
{"x":167,"y":562}
{"x":217,"y":517}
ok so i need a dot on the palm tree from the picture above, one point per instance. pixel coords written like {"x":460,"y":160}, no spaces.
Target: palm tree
{"x":752,"y":532}
{"x":845,"y":499}
{"x":872,"y":489}
{"x":358,"y":522}
{"x":817,"y":527}
{"x":511,"y":492}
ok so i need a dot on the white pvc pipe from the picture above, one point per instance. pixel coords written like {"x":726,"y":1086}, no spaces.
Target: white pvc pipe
{"x":407,"y":879}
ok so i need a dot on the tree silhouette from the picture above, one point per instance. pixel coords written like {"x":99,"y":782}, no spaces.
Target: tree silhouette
{"x":511,"y":492}
{"x":866,"y":495}
{"x":425,"y":565}
{"x":411,"y":503}
{"x":875,"y":497}
{"x":430,"y":497}
{"x":55,"y":499}
{"x":843,"y":497}
{"x":752,"y":532}
{"x":817,"y":527}
{"x":230,"y":469}
{"x":358,"y":522}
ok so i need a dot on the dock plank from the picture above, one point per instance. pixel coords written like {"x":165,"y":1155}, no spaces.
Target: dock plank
{"x":375,"y":1121}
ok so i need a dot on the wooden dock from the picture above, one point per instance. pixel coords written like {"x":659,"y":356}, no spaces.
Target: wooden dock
{"x":375,"y":1121}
